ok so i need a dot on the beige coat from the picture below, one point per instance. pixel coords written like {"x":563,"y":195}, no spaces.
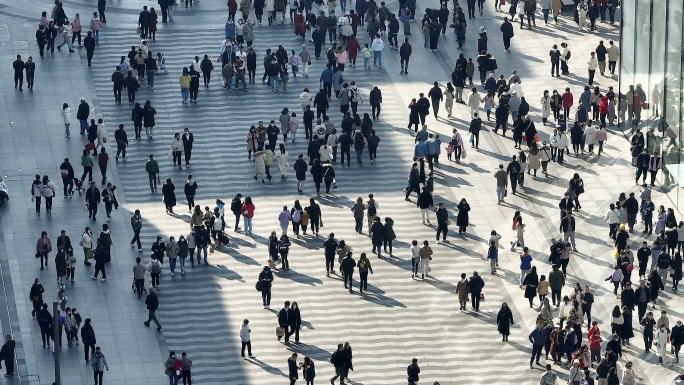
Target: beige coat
{"x":556,"y":7}
{"x":462,"y":290}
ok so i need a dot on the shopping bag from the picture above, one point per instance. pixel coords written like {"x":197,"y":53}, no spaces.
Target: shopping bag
{"x":138,"y":30}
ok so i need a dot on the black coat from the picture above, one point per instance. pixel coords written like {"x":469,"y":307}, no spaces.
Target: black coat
{"x":152,"y":301}
{"x":377,"y":233}
{"x":504,"y":320}
{"x":148,"y":116}
{"x":83,"y":111}
{"x":531,"y":282}
{"x":88,"y":335}
{"x":168,"y":191}
{"x":462,"y":217}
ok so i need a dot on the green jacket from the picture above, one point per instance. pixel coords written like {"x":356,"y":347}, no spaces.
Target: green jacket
{"x":152,"y":166}
{"x":86,"y":161}
{"x":364,"y":265}
{"x":556,"y":280}
{"x":268,"y":157}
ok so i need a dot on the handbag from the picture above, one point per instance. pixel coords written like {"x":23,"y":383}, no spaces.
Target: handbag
{"x":630,"y":267}
{"x":259,"y":286}
{"x":37,"y":254}
{"x":72,"y":259}
{"x":280,"y":331}
{"x":138,"y":30}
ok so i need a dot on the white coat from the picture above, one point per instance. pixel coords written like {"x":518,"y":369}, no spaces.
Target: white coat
{"x":346,"y":26}
{"x":326,"y":153}
{"x":660,"y":340}
{"x":281,"y":158}
{"x":176,"y":145}
{"x":590,"y":135}
{"x":561,"y":141}
{"x":66,"y":115}
{"x":259,"y":163}
{"x":545,"y":107}
{"x":474,"y":100}
{"x":305,"y":99}
{"x":101,"y":132}
{"x":592,"y":63}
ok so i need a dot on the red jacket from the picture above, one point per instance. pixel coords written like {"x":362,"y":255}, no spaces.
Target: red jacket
{"x":603,"y":105}
{"x":567,"y":100}
{"x":247,"y":210}
{"x":595,"y":342}
{"x":232,"y":6}
{"x":353,"y":47}
{"x":299,"y":23}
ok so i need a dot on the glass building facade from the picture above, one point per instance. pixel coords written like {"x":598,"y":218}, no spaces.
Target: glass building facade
{"x":651,"y":83}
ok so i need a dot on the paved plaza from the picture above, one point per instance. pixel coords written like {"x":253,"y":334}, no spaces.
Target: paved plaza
{"x":398,"y":318}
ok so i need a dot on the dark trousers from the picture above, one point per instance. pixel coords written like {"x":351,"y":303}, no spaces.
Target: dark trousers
{"x":186,"y":376}
{"x":68,"y":186}
{"x":266,"y":297}
{"x":442,"y":228}
{"x":611,"y":66}
{"x":100,"y":267}
{"x":363,"y":283}
{"x":475,"y":300}
{"x":555,"y":66}
{"x":139,"y":284}
{"x":248,"y":345}
{"x":507,"y":42}
{"x":555,"y":296}
{"x":648,"y":340}
{"x":98,"y":375}
{"x":641,"y":309}
{"x":591,"y":76}
{"x":375,"y":110}
{"x":536,"y":352}
{"x":344,"y":152}
{"x":155,"y":278}
{"x":359,"y":224}
{"x":121,"y":150}
{"x":18,"y":80}
{"x":88,"y":349}
{"x":514,"y":181}
{"x":329,"y":264}
{"x":348,"y":280}
{"x":136,"y":238}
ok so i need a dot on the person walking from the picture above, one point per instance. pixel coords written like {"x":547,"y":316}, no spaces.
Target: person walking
{"x":504,"y":320}
{"x":507,"y":33}
{"x":364,"y":266}
{"x":475,"y":284}
{"x":98,"y":362}
{"x":152,"y":168}
{"x":7,"y":354}
{"x":337,"y":359}
{"x":152,"y":303}
{"x":413,"y":372}
{"x":425,"y":254}
{"x":265,"y":283}
{"x":347,"y":267}
{"x":245,"y":339}
{"x":88,"y":339}
{"x":536,"y":338}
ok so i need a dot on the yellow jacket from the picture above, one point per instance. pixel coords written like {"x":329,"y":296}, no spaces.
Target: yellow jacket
{"x":184,"y":81}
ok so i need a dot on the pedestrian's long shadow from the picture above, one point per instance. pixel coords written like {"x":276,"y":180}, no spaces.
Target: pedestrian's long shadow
{"x":268,"y":368}
{"x":239,"y":242}
{"x":225,"y":272}
{"x":311,"y":351}
{"x":441,"y":285}
{"x":299,"y":277}
{"x":242,"y":258}
{"x":495,"y":155}
{"x":380,"y":299}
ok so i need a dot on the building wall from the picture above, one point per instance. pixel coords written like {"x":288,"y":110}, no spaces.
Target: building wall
{"x":651,"y":66}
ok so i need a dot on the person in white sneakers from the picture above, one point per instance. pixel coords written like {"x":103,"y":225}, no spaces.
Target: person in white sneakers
{"x":244,"y":337}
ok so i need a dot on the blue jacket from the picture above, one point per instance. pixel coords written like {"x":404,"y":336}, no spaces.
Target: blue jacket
{"x":230,"y":30}
{"x":327,"y":75}
{"x":537,"y":337}
{"x":420,"y":150}
{"x":431,"y":147}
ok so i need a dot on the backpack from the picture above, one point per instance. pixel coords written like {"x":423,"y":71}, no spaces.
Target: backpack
{"x":492,"y":65}
{"x":64,"y":174}
{"x":155,"y":268}
{"x":372,"y":210}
